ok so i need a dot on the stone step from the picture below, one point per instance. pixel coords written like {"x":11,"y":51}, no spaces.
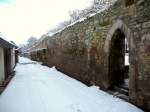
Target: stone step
{"x":119,"y":95}
{"x":121,"y":90}
{"x":124,"y":97}
{"x":123,"y":86}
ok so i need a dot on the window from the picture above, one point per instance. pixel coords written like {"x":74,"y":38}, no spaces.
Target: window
{"x":44,"y":51}
{"x":129,"y":2}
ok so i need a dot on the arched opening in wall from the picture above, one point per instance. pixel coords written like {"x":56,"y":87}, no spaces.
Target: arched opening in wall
{"x":129,"y":2}
{"x":118,"y":63}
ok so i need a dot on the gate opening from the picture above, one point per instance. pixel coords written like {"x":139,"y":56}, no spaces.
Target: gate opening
{"x":118,"y":63}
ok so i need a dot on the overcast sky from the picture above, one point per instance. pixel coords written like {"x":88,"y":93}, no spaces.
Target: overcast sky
{"x":20,"y":19}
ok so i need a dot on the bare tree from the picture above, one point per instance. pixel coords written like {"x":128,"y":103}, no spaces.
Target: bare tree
{"x":59,"y":27}
{"x":32,"y":40}
{"x":74,"y":15}
{"x":96,"y":5}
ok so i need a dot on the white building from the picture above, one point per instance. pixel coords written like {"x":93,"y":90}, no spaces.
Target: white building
{"x":7,"y":59}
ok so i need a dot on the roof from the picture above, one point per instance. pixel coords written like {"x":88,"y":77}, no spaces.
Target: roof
{"x":38,"y":49}
{"x":6,"y":44}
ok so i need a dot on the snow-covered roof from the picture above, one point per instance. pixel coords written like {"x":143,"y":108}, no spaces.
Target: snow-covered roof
{"x":7,"y":44}
{"x":6,"y":39}
{"x":38,"y":49}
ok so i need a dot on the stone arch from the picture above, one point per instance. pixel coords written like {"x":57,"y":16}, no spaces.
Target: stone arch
{"x":116,"y":59}
{"x":119,"y":25}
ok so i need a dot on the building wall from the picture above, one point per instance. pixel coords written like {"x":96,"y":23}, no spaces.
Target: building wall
{"x":13,"y":62}
{"x":82,"y":50}
{"x":2,"y":74}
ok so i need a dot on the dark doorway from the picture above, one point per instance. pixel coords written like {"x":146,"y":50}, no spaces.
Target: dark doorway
{"x":129,"y":2}
{"x":118,"y":71}
{"x":7,"y":61}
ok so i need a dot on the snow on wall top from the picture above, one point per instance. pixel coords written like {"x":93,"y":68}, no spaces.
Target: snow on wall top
{"x":82,"y":19}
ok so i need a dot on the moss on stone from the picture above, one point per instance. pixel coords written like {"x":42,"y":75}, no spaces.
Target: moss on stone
{"x":105,"y":22}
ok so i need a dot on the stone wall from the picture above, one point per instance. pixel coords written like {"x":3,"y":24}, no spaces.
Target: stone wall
{"x":83,"y":50}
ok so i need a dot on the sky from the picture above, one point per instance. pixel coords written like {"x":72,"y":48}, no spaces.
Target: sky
{"x":21,"y":19}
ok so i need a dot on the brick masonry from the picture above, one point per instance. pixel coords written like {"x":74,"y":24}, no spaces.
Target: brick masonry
{"x":83,"y":50}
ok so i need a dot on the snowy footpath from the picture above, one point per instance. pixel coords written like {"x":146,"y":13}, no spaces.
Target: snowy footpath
{"x":37,"y":88}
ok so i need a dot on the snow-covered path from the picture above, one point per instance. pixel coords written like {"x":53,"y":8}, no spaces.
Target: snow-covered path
{"x":37,"y":88}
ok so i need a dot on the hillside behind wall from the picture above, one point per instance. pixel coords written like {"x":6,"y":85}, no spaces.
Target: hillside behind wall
{"x":82,"y":50}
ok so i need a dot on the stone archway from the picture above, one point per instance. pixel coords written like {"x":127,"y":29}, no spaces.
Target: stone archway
{"x":117,"y":58}
{"x":124,"y":29}
{"x":118,"y":32}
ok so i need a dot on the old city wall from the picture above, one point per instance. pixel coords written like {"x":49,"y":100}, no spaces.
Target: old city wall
{"x":83,"y":49}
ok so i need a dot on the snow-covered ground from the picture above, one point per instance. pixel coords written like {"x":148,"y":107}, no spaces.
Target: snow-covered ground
{"x":37,"y":88}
